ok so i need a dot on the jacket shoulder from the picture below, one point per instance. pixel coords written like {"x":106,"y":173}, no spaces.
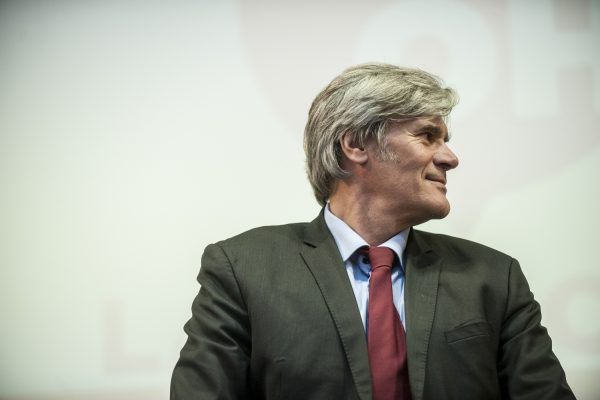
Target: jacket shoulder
{"x":266,"y":236}
{"x":459,"y":247}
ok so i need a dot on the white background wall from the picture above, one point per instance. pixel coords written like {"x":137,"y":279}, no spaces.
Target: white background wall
{"x":134,"y":133}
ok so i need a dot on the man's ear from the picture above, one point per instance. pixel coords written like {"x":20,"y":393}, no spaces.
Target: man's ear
{"x":353,"y":152}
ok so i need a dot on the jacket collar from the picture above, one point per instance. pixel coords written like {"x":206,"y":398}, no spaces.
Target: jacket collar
{"x":423,"y":267}
{"x":327,"y":267}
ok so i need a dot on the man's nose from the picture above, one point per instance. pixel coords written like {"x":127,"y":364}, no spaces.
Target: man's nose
{"x":445,"y":158}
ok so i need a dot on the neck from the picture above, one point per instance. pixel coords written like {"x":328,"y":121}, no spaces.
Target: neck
{"x":371,"y":219}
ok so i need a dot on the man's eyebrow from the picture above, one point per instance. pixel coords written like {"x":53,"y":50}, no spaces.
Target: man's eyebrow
{"x":435,"y":129}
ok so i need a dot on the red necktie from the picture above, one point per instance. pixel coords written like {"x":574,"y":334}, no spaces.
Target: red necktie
{"x":386,"y":338}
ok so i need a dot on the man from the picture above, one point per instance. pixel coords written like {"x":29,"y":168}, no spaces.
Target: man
{"x":357,"y":304}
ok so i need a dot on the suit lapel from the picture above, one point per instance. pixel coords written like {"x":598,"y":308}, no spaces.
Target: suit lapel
{"x":326,"y":265}
{"x":420,"y":297}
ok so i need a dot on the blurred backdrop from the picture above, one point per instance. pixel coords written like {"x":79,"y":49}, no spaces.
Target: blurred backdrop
{"x":134,"y":133}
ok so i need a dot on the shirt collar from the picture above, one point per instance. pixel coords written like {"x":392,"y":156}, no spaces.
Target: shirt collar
{"x":348,"y":241}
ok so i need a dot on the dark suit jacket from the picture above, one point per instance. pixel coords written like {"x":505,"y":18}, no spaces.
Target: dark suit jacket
{"x":276,"y":318}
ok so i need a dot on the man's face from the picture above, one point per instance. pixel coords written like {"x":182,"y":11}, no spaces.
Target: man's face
{"x":408,"y":177}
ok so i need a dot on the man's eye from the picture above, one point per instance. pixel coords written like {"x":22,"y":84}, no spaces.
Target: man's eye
{"x":429,"y":136}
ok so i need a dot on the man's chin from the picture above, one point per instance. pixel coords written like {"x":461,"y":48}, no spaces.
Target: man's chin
{"x":432,"y":213}
{"x":444,"y":213}
{"x":440,"y":211}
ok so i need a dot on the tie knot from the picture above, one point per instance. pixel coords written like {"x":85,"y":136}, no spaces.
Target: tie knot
{"x":380,"y":257}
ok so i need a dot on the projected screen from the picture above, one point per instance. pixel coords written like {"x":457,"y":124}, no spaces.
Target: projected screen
{"x":133,"y":134}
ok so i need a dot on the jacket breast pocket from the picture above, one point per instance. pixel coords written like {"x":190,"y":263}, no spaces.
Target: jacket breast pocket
{"x":468,"y":331}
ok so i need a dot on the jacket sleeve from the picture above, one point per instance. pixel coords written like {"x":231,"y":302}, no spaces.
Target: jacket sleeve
{"x":527,"y":367}
{"x":214,"y":361}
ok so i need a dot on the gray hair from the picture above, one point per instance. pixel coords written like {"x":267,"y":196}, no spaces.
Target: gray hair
{"x":362,"y":101}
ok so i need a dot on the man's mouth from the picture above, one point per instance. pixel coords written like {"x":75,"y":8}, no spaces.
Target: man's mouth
{"x":439,"y":179}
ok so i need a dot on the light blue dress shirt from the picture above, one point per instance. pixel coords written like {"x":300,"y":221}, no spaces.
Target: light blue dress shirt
{"x":358,"y":269}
